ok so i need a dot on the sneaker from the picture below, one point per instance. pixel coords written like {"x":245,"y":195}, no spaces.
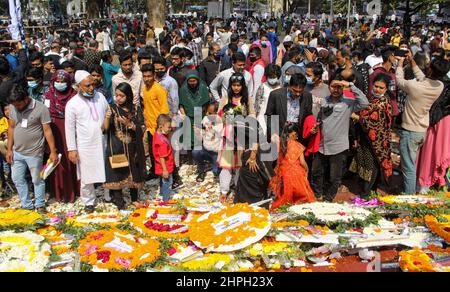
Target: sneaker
{"x":200,"y":177}
{"x":177,"y":184}
{"x":151,"y":176}
{"x":89,"y":209}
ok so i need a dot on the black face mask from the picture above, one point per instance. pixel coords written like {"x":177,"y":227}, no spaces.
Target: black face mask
{"x":217,"y":57}
{"x":253,"y":59}
{"x":160,"y":74}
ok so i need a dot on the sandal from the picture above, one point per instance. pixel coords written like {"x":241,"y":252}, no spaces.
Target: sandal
{"x":200,"y":177}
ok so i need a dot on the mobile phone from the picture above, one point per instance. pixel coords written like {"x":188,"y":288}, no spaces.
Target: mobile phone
{"x":400,"y":53}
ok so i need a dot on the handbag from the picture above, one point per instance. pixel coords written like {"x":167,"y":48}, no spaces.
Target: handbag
{"x":118,"y":160}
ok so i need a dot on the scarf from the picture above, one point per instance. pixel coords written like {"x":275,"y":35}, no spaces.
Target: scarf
{"x":58,"y":100}
{"x":441,"y":107}
{"x":376,"y":122}
{"x":191,"y":98}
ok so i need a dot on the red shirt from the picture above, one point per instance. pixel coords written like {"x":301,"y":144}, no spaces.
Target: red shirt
{"x":162,"y":149}
{"x":313,"y":140}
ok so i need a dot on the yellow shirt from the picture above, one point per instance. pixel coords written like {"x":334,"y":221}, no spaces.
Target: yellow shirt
{"x":155,"y":103}
{"x":3,"y":125}
{"x":395,"y":41}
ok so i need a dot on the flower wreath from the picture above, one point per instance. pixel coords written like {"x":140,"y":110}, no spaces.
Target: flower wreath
{"x":59,"y":242}
{"x":23,"y":252}
{"x":412,"y":200}
{"x":331,"y":212}
{"x":204,"y":232}
{"x":116,"y":249}
{"x":440,"y":228}
{"x":11,"y":217}
{"x":96,"y":218}
{"x":161,"y":222}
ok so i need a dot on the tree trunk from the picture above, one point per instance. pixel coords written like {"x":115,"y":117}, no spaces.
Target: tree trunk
{"x":92,"y":9}
{"x":156,"y":11}
{"x":407,"y":20}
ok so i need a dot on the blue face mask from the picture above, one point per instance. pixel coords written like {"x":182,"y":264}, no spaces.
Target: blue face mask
{"x":188,"y":62}
{"x":60,"y":86}
{"x":309,"y":80}
{"x":272,"y":81}
{"x":32,"y":84}
{"x":87,"y":95}
{"x":287,"y":78}
{"x":376,"y":95}
{"x":264,"y":44}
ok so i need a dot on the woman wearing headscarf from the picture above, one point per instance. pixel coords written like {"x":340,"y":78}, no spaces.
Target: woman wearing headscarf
{"x":193,"y":94}
{"x":64,"y":184}
{"x":373,"y":160}
{"x":124,"y":127}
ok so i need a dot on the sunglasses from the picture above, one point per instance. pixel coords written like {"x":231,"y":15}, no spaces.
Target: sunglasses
{"x":236,"y":78}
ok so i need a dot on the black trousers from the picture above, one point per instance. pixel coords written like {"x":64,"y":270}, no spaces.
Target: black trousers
{"x":327,"y":172}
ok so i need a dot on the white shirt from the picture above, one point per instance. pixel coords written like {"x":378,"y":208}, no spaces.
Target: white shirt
{"x":373,"y":60}
{"x":223,"y":80}
{"x":83,"y":124}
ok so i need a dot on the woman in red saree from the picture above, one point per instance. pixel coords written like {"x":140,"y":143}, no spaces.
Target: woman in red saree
{"x":290,"y":183}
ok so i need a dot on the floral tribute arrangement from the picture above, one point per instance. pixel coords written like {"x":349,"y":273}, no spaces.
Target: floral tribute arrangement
{"x":230,"y":228}
{"x":162,"y":222}
{"x":23,"y":252}
{"x":418,"y":260}
{"x":439,"y":225}
{"x":331,"y":212}
{"x":114,"y":249}
{"x":413,"y":200}
{"x":110,"y":218}
{"x":20,"y":219}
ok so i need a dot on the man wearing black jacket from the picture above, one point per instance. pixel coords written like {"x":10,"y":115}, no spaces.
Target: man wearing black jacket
{"x":209,"y":67}
{"x":291,"y":104}
{"x":8,"y":79}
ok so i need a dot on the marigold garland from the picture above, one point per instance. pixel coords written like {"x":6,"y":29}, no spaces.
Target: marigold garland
{"x":204,"y":234}
{"x":208,"y":262}
{"x":155,"y":227}
{"x":440,"y":228}
{"x":12,"y":217}
{"x":94,"y":250}
{"x":417,"y":260}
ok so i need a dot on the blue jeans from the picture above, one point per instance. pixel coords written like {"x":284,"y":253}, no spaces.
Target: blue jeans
{"x":200,"y":156}
{"x":410,"y":143}
{"x":19,"y":169}
{"x":165,"y":187}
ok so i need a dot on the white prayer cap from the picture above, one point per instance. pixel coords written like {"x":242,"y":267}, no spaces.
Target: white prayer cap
{"x":287,"y":38}
{"x":80,"y":75}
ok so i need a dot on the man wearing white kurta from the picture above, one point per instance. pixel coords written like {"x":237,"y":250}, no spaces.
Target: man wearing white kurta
{"x":85,"y":114}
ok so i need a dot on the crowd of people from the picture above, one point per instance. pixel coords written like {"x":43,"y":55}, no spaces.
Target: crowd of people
{"x":122,"y":105}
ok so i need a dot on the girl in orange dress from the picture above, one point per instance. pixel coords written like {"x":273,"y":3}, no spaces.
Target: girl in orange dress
{"x":290,"y":183}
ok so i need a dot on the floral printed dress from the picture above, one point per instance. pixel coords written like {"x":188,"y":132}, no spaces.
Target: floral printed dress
{"x":375,"y":148}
